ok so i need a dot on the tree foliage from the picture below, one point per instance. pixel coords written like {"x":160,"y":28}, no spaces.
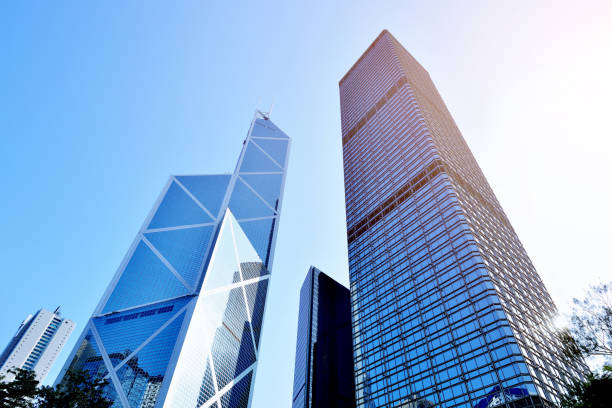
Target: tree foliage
{"x":19,"y":392}
{"x":590,"y":332}
{"x":590,"y":335}
{"x":595,"y":392}
{"x":77,"y":390}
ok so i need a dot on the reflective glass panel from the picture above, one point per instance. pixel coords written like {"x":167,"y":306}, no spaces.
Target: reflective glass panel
{"x":238,"y":395}
{"x":223,"y":265}
{"x":150,"y":394}
{"x":268,"y":186}
{"x":255,"y":160}
{"x":142,"y":375}
{"x":145,"y":279}
{"x":265,"y":128}
{"x":251,"y":270}
{"x":232,"y":348}
{"x":261,"y":130}
{"x":134,"y":381}
{"x":256,"y":299}
{"x":260,"y":234}
{"x":245,"y":204}
{"x":88,"y":358}
{"x":209,"y":190}
{"x":277,"y":149}
{"x":111,"y":394}
{"x":208,"y":388}
{"x":184,"y":249}
{"x":246,"y":252}
{"x":122,"y":333}
{"x":177,"y":208}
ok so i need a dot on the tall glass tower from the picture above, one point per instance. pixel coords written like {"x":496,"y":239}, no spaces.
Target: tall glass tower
{"x":323,"y":376}
{"x":180,"y":323}
{"x":447,"y":307}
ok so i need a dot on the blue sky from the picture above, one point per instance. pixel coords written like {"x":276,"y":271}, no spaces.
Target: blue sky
{"x":100,"y":102}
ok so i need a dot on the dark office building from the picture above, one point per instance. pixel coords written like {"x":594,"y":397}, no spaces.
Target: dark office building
{"x":447,"y":308}
{"x":323,"y":376}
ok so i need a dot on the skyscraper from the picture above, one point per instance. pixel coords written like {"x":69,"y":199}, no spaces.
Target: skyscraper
{"x":323,"y":375}
{"x":180,"y":323}
{"x":447,"y":307}
{"x":35,"y":346}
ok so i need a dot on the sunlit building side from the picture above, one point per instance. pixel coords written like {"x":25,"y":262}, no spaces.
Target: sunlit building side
{"x":447,"y":306}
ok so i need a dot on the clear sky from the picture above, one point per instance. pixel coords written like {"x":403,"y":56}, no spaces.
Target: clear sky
{"x":101,"y":101}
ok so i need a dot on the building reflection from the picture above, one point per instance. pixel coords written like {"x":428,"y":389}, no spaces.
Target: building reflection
{"x":140,"y":387}
{"x":416,"y":402}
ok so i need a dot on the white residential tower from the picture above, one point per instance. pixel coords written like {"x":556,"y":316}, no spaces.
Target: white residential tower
{"x":36,"y":344}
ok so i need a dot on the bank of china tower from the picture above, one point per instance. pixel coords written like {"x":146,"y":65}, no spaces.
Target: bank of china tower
{"x":180,"y":323}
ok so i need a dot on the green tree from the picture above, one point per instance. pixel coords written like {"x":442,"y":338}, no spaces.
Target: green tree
{"x":595,"y":392}
{"x":21,"y":392}
{"x":77,"y":390}
{"x":590,"y":335}
{"x":590,"y":331}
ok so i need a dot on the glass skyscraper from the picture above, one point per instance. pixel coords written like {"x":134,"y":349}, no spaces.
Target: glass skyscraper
{"x":447,"y":308}
{"x":323,"y":375}
{"x":180,"y":323}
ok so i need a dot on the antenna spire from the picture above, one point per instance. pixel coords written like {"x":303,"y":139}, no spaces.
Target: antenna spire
{"x":265,"y":115}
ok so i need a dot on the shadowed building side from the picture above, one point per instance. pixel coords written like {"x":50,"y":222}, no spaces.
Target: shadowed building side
{"x":323,"y":375}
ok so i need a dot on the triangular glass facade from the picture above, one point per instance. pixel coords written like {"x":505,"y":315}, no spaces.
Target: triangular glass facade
{"x":268,"y":186}
{"x":245,"y":203}
{"x":256,"y":300}
{"x":208,"y":389}
{"x":259,"y":234}
{"x":276,"y":149}
{"x":144,"y":280}
{"x":89,"y":358}
{"x":238,"y":395}
{"x":208,"y":190}
{"x":232,"y":349}
{"x":180,"y":324}
{"x":148,"y":366}
{"x":177,"y":208}
{"x":224,"y":260}
{"x":142,"y":323}
{"x":256,"y":160}
{"x":265,"y":128}
{"x":183,"y":248}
